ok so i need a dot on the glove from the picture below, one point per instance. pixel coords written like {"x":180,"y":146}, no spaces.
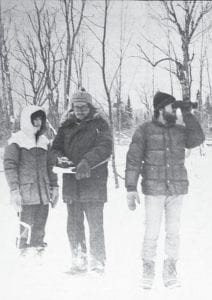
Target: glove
{"x":15,"y":199}
{"x":54,"y":196}
{"x":83,"y":170}
{"x":64,"y":162}
{"x":132,"y":198}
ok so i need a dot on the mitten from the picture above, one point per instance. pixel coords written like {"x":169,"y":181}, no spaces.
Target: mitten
{"x":83,"y":170}
{"x":54,"y":196}
{"x":132,"y":198}
{"x":15,"y":199}
{"x":64,"y":162}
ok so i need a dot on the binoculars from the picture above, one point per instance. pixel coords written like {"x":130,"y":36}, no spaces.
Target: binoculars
{"x":185,"y":104}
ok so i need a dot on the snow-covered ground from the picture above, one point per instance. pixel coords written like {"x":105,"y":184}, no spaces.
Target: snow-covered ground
{"x":124,"y":233}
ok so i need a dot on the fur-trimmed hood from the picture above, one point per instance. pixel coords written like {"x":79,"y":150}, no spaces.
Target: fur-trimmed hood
{"x":26,"y":123}
{"x":69,"y":117}
{"x":26,"y":137}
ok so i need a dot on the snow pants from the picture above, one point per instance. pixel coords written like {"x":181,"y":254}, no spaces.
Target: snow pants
{"x":154,"y":208}
{"x":76,"y":229}
{"x":35,"y":216}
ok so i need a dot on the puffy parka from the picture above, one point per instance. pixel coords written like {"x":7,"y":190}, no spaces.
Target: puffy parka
{"x":157,"y":153}
{"x":26,"y":162}
{"x":88,"y":139}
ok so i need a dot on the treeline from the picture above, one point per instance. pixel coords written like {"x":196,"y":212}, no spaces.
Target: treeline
{"x":48,"y":49}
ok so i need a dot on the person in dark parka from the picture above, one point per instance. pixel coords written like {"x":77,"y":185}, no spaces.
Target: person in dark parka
{"x":84,"y":138}
{"x":157,"y":153}
{"x":29,"y":174}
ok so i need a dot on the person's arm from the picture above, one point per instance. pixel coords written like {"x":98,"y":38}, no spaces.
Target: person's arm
{"x":103,"y":146}
{"x":57,"y":147}
{"x":194,"y":132}
{"x":53,"y":178}
{"x":11,"y":165}
{"x":50,"y":164}
{"x":134,"y":159}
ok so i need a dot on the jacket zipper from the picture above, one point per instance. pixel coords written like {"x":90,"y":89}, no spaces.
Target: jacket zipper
{"x":38,"y":176}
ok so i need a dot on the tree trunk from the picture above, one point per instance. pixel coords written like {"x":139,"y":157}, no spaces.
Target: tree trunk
{"x":113,"y":147}
{"x":9,"y":89}
{"x":186,"y":80}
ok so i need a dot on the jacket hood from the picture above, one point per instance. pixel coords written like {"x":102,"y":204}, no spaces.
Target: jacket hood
{"x":26,"y":123}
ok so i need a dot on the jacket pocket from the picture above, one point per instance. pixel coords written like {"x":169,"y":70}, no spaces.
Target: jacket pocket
{"x":25,"y":190}
{"x":46,"y":187}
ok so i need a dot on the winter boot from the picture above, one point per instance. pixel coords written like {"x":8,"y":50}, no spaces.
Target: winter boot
{"x":170,"y":274}
{"x":148,"y":274}
{"x":23,"y":252}
{"x":39,"y":253}
{"x":24,"y":258}
{"x":79,"y":264}
{"x":97,"y":266}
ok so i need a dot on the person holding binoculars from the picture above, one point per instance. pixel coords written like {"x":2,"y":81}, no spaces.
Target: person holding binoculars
{"x":157,"y":153}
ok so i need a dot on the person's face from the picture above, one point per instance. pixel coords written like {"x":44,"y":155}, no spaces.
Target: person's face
{"x":37,"y":123}
{"x":169,"y":114}
{"x":81,"y":110}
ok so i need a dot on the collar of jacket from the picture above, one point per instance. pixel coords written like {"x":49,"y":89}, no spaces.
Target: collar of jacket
{"x":158,"y":123}
{"x":71,"y":118}
{"x":24,"y":141}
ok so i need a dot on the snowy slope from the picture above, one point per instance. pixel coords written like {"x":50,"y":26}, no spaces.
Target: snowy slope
{"x":124,"y":234}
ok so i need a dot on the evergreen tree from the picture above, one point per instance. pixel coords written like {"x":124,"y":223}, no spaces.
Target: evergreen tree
{"x":129,"y":109}
{"x":207,"y":108}
{"x":123,"y":115}
{"x":128,"y":115}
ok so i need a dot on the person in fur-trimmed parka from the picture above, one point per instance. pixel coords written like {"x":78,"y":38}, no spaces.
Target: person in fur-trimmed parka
{"x":84,"y":138}
{"x":157,"y":153}
{"x":29,"y":175}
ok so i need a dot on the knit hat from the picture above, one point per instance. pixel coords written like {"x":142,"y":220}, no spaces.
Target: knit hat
{"x":160,"y":100}
{"x":81,"y":96}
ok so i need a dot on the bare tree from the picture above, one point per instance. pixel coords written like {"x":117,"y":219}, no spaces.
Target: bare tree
{"x":209,"y":78}
{"x":32,"y":75}
{"x":108,"y":86}
{"x":145,"y":101}
{"x":6,"y":99}
{"x":169,"y":53}
{"x":79,"y":60}
{"x":202,"y":62}
{"x":184,"y":19}
{"x":119,"y":81}
{"x":108,"y":81}
{"x":208,"y":69}
{"x":41,"y":65}
{"x":73,"y":20}
{"x":49,"y":48}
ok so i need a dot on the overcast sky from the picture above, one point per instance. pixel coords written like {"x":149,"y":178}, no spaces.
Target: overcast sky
{"x":138,"y":21}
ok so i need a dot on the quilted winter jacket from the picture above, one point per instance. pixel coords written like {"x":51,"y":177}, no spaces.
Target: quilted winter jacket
{"x":26,"y":162}
{"x":157,"y":153}
{"x":89,"y":139}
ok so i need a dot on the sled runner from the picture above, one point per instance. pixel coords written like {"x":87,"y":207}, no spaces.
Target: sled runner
{"x":26,"y":232}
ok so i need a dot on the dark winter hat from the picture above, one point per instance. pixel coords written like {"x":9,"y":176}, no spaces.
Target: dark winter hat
{"x":38,"y":114}
{"x":160,"y":100}
{"x":81,"y":96}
